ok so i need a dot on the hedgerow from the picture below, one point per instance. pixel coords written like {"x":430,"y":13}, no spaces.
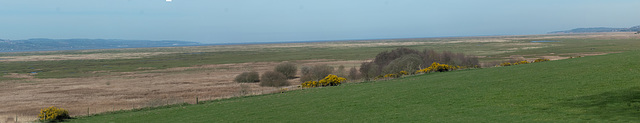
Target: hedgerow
{"x":404,"y":59}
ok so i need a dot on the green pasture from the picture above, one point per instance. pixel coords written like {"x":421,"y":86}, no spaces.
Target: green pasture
{"x":590,"y":89}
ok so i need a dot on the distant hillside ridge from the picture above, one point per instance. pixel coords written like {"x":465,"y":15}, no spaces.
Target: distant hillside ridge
{"x":43,"y":44}
{"x":600,"y":29}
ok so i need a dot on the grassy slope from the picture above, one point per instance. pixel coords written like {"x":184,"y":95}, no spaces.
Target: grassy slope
{"x":589,"y":89}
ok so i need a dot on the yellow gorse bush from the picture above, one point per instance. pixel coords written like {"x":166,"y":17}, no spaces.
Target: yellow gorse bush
{"x":541,"y":60}
{"x":437,"y":67}
{"x":403,"y":73}
{"x":330,"y":80}
{"x":505,"y":64}
{"x":523,"y":62}
{"x":391,"y":76}
{"x":53,"y":113}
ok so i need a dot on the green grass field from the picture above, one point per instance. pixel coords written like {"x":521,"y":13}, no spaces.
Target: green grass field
{"x":590,"y":89}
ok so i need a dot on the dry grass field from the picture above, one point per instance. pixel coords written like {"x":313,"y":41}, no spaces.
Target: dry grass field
{"x":106,"y":90}
{"x":128,"y":90}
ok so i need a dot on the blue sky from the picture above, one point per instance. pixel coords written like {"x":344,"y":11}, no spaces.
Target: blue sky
{"x":234,"y":21}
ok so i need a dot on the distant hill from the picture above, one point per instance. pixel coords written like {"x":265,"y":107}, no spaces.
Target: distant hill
{"x":600,"y":29}
{"x":43,"y":44}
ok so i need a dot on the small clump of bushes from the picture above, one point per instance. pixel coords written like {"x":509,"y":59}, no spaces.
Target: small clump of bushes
{"x":53,"y":114}
{"x":276,"y":78}
{"x":315,"y":73}
{"x":405,"y":59}
{"x":354,"y":74}
{"x":273,"y":79}
{"x":288,"y":69}
{"x":248,"y":77}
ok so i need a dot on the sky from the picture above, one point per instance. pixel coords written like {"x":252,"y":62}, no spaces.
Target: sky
{"x":240,"y":21}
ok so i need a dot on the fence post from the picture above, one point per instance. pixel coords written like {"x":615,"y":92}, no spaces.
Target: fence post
{"x":88,"y":111}
{"x":197,"y":100}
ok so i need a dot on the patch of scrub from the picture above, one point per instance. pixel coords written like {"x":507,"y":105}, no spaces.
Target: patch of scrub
{"x":543,"y":41}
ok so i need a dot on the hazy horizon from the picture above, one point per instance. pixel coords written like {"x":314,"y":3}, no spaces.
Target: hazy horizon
{"x":299,"y":20}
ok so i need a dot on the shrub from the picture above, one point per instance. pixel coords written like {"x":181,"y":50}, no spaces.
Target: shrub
{"x":436,"y":67}
{"x":369,"y":70}
{"x":505,"y":64}
{"x":409,"y":62}
{"x":316,"y":73}
{"x":403,"y":73}
{"x":53,"y":114}
{"x":340,"y":71}
{"x":305,"y":70}
{"x":273,"y":79}
{"x":248,"y":77}
{"x":320,"y":71}
{"x":541,"y":60}
{"x":405,"y":59}
{"x":309,"y":84}
{"x":307,"y":77}
{"x":384,"y":58}
{"x":521,"y":62}
{"x":330,"y":80}
{"x":288,"y":69}
{"x":353,"y":74}
{"x":391,"y":76}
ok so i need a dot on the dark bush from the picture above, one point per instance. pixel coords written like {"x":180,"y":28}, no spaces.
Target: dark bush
{"x":316,"y":73}
{"x":382,"y":64}
{"x":340,"y":71}
{"x":248,"y":77}
{"x":384,"y":58}
{"x":353,"y":74}
{"x":288,"y":69}
{"x":273,"y":79}
{"x":409,"y":62}
{"x":369,"y":70}
{"x":305,"y":70}
{"x":321,"y":71}
{"x":307,"y":77}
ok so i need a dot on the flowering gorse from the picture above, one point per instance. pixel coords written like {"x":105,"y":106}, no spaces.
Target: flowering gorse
{"x":541,"y":60}
{"x":53,"y":114}
{"x":330,"y":80}
{"x":437,"y":67}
